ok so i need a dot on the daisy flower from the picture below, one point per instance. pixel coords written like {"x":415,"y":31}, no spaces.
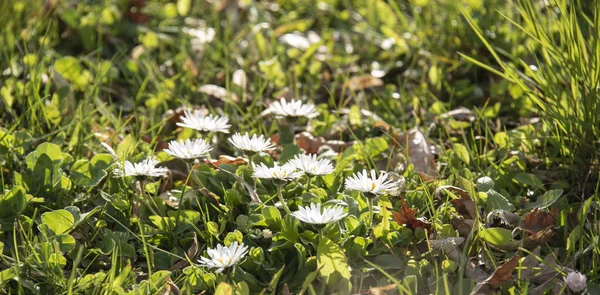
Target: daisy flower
{"x":576,"y":281}
{"x":224,"y":257}
{"x":286,"y":172}
{"x":372,"y":185}
{"x":311,"y":166}
{"x":200,"y":37}
{"x":147,"y":167}
{"x":295,"y":108}
{"x":252,"y":144}
{"x":188,"y":149}
{"x":198,"y":121}
{"x":314,"y":215}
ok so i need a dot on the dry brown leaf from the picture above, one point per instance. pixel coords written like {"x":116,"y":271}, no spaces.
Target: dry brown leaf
{"x":191,"y":67}
{"x":419,"y":152}
{"x":362,"y":82}
{"x":538,"y":220}
{"x":407,"y":216}
{"x":541,"y":237}
{"x":223,"y":159}
{"x":381,"y":290}
{"x":192,"y":254}
{"x":218,"y":92}
{"x":500,"y":277}
{"x":475,"y":273}
{"x":464,"y":206}
{"x":309,"y":143}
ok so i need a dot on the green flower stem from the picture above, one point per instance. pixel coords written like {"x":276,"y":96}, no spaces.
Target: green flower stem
{"x":308,"y":182}
{"x":370,"y":205}
{"x":283,"y":203}
{"x":191,"y":169}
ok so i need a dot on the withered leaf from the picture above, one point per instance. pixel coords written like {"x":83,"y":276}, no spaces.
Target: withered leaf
{"x":218,"y":92}
{"x":363,"y":82}
{"x":419,"y":152}
{"x":538,"y":220}
{"x":500,"y":277}
{"x":465,"y":205}
{"x":224,"y":159}
{"x":407,"y":216}
{"x":381,"y":290}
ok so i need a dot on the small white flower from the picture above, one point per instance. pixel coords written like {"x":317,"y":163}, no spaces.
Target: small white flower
{"x":200,"y":37}
{"x":295,"y":108}
{"x":313,"y":214}
{"x":361,"y":181}
{"x":310,"y":165}
{"x":253,"y":144}
{"x":285,"y":172}
{"x":188,"y":149}
{"x":267,"y":233}
{"x":146,"y":167}
{"x":198,"y":121}
{"x":576,"y":281}
{"x":224,"y":257}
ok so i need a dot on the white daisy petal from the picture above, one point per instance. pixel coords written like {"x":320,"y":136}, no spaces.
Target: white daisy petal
{"x":311,"y":166}
{"x":147,"y":167}
{"x":314,"y":215}
{"x":295,"y":108}
{"x":224,"y":257}
{"x":197,"y":120}
{"x":285,"y":172}
{"x":253,"y":144}
{"x":361,"y":181}
{"x":189,"y":149}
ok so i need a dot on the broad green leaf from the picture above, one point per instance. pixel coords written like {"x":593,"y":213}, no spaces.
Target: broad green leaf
{"x":65,"y":242}
{"x":462,"y":153}
{"x":59,"y":221}
{"x":68,"y":67}
{"x":528,"y":179}
{"x":545,"y":200}
{"x":496,"y":200}
{"x":289,"y":151}
{"x":12,"y":204}
{"x":224,"y":289}
{"x":333,"y":264}
{"x":49,"y":149}
{"x":183,"y":7}
{"x":125,"y":147}
{"x":496,"y":235}
{"x":272,"y":217}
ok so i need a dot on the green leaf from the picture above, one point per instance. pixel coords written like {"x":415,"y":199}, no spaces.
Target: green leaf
{"x":528,"y":179}
{"x":68,"y":67}
{"x":49,"y":149}
{"x":224,"y":289}
{"x":545,"y":200}
{"x":496,"y":235}
{"x":183,"y":7}
{"x":272,"y":217}
{"x":496,"y":200}
{"x":462,"y":153}
{"x":125,"y":147}
{"x":289,"y":151}
{"x":84,"y":173}
{"x":333,"y":265}
{"x":59,"y":221}
{"x":8,"y":274}
{"x":65,"y":242}
{"x":12,"y":204}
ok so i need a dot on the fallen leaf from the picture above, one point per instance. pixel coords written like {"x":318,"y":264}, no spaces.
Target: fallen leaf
{"x":407,"y":216}
{"x":381,"y":290}
{"x":362,"y":82}
{"x":419,"y":152}
{"x":192,"y":254}
{"x":189,"y":66}
{"x":223,"y":159}
{"x":465,"y":205}
{"x":500,"y":277}
{"x":218,"y":92}
{"x":538,"y":220}
{"x":309,"y":143}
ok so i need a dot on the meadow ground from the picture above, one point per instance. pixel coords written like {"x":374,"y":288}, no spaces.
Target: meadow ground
{"x":400,"y":147}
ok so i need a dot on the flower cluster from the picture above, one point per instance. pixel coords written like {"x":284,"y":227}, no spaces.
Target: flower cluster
{"x":222,"y":257}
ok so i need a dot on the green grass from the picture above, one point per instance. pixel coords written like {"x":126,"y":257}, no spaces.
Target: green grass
{"x":75,"y":74}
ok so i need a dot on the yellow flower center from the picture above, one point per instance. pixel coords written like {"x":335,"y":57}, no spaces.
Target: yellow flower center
{"x":372,"y":186}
